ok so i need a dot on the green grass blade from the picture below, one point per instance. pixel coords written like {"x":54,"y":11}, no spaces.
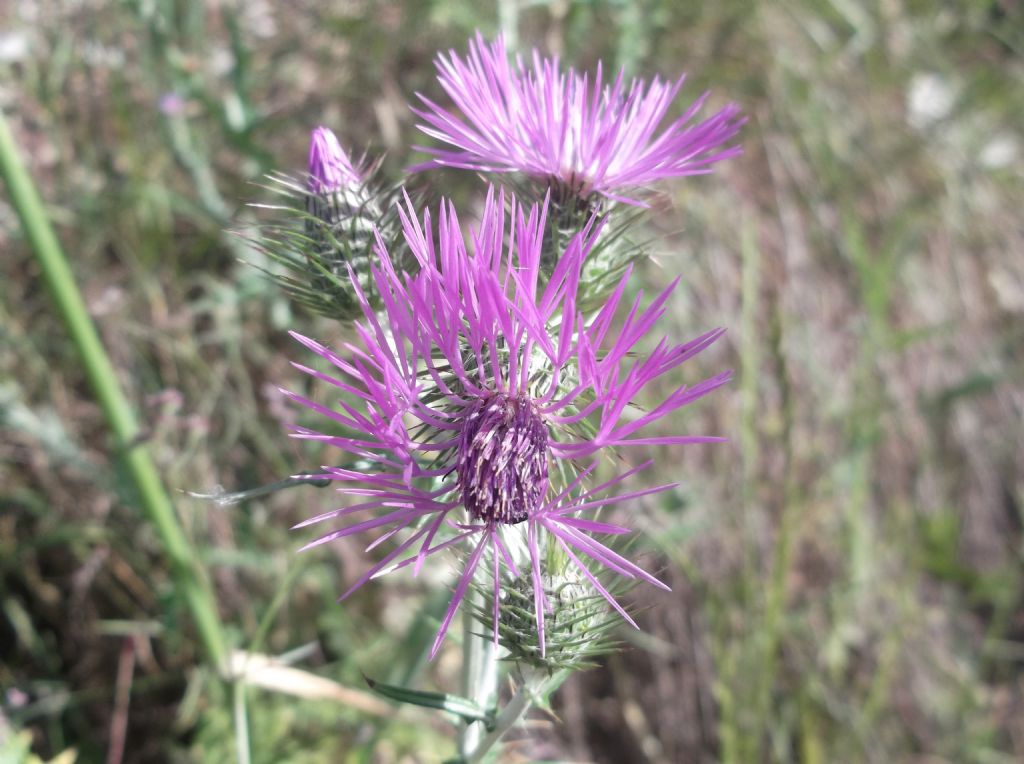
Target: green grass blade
{"x":191,"y":584}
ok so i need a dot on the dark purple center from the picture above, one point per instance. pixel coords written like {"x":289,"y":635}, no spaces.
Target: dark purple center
{"x":503,"y":460}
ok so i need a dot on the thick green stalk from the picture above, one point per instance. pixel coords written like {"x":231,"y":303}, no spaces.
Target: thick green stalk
{"x":507,"y":719}
{"x":535,"y":684}
{"x":479,"y":673}
{"x":191,"y":584}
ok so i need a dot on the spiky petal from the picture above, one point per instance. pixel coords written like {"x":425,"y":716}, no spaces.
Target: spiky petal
{"x":578,"y":134}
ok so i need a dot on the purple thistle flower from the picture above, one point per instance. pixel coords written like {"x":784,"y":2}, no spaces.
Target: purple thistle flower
{"x":558,"y":127}
{"x":470,"y":403}
{"x":330,"y":168}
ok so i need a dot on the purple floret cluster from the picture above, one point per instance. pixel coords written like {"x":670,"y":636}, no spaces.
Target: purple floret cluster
{"x":483,"y":392}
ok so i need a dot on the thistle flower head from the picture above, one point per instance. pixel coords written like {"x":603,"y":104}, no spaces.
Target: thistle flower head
{"x":477,"y":405}
{"x":580,"y":136}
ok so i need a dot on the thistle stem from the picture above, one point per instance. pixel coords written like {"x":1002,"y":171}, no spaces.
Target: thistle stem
{"x":191,"y":584}
{"x":479,"y":675}
{"x":535,"y":684}
{"x":243,"y":755}
{"x":507,"y":719}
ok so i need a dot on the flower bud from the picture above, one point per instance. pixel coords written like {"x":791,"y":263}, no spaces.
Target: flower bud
{"x":577,"y":622}
{"x":340,"y":207}
{"x":342,"y":215}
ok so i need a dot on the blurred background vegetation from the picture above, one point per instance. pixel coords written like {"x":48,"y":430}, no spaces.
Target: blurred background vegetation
{"x":848,"y":571}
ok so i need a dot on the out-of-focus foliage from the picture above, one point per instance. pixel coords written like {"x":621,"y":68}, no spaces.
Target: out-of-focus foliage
{"x":847,"y":573}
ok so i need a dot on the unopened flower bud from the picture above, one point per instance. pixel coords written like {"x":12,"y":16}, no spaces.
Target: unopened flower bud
{"x":577,"y":622}
{"x":342,"y":214}
{"x":340,"y":207}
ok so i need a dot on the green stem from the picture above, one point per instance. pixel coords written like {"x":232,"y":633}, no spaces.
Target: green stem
{"x":534,"y":685}
{"x":479,"y":674}
{"x":507,"y":719}
{"x":99,"y":371}
{"x":241,"y":717}
{"x":508,"y":22}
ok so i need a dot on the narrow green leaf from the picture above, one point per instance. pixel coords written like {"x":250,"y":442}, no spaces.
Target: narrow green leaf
{"x":453,"y":704}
